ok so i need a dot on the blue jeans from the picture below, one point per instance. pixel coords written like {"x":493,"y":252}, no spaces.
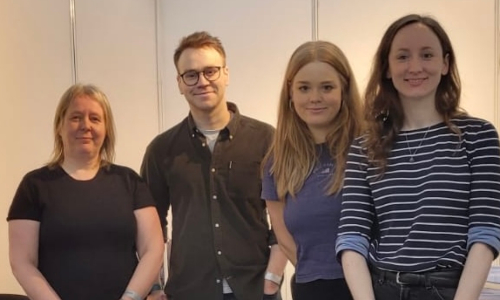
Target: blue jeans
{"x":415,"y":286}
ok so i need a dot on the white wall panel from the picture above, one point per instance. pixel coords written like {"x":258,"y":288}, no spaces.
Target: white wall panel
{"x":259,"y":36}
{"x":116,"y":50}
{"x":35,"y":60}
{"x":358,"y":25}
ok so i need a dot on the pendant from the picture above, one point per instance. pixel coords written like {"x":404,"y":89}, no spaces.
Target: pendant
{"x":412,"y":159}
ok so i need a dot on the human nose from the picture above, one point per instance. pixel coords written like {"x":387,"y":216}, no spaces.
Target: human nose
{"x":85,"y":124}
{"x":414,"y":65}
{"x":202,"y":80}
{"x":315,"y":96}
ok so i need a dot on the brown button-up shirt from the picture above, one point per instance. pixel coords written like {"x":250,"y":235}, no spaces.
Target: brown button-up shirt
{"x":220,"y":229}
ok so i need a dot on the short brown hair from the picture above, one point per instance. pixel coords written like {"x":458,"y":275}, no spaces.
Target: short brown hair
{"x":197,"y":40}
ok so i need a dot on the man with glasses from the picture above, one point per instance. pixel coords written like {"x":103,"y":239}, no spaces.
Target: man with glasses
{"x":207,"y":168}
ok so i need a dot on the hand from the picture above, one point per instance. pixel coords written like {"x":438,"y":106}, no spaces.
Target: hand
{"x":270,"y":287}
{"x":157,"y":295}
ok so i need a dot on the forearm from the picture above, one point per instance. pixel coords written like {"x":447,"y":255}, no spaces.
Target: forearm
{"x":475,"y":272}
{"x":34,"y":283}
{"x":357,"y":275}
{"x":277,"y":261}
{"x":146,"y":273}
{"x":289,"y":249}
{"x":276,"y":265}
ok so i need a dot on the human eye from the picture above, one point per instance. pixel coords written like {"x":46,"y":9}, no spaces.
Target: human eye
{"x":190,"y":75}
{"x":428,"y":55}
{"x":303,"y":88}
{"x":211,"y":71}
{"x":402,"y":56}
{"x":328,"y":87}
{"x":95,"y":119}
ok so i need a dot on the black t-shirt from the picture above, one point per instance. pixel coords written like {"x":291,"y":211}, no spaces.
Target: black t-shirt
{"x":87,"y":228}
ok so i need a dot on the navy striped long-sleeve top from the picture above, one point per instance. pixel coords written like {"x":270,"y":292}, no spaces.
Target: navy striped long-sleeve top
{"x":438,"y":196}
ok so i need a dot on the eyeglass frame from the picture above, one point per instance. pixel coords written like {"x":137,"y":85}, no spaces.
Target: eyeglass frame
{"x":219,"y":68}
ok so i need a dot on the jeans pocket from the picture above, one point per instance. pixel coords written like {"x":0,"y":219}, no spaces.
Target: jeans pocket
{"x":440,"y":293}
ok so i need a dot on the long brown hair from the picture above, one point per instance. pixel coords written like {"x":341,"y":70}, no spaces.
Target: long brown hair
{"x":383,"y":110}
{"x":293,"y":150}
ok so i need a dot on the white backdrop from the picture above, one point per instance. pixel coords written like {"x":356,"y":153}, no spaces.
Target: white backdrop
{"x":121,"y":44}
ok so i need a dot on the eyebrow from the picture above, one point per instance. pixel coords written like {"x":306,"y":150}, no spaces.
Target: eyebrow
{"x":199,"y":70}
{"x":322,"y":82}
{"x":423,"y":48}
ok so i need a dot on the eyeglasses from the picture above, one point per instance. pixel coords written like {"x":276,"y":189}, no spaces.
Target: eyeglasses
{"x":192,"y":77}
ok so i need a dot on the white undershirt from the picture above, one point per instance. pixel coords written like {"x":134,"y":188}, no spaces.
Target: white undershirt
{"x":211,"y":137}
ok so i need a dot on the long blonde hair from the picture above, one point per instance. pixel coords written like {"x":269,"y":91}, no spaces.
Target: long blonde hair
{"x":107,"y":151}
{"x":293,"y":152}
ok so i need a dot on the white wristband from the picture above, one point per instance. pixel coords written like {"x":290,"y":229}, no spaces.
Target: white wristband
{"x":132,"y":295}
{"x":273,"y":277}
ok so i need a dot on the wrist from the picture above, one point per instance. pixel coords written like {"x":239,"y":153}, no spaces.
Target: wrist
{"x":129,"y":294}
{"x":273,"y":277}
{"x":156,"y":287}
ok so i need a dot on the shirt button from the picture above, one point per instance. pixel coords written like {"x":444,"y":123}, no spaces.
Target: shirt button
{"x":213,"y":170}
{"x":192,"y":135}
{"x":217,"y":225}
{"x":214,"y":197}
{"x":230,"y":137}
{"x":203,"y":144}
{"x":219,"y":252}
{"x":218,"y":280}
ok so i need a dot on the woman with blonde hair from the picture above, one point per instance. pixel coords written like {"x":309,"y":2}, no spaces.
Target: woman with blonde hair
{"x":319,"y":116}
{"x":82,"y":227}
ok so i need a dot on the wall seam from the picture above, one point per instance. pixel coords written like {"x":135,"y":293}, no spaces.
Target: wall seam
{"x":74,"y":61}
{"x":315,"y":27}
{"x":159,"y":63}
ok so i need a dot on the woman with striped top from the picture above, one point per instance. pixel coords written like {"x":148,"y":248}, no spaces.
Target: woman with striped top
{"x":421,"y":198}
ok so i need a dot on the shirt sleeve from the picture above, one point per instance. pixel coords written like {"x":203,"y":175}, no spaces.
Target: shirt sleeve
{"x":142,"y":195}
{"x":268,"y":184}
{"x":357,"y":210}
{"x":483,"y":151}
{"x":154,"y":178}
{"x":26,"y":202}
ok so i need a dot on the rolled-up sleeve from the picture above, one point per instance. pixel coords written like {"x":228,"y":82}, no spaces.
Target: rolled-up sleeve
{"x":357,"y":212}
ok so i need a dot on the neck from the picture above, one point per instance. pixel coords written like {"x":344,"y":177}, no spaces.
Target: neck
{"x":212,"y":120}
{"x":81,"y":169}
{"x":420,"y":113}
{"x":318,"y":135}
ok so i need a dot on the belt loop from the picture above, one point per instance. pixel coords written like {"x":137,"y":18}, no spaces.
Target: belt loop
{"x":427,"y":278}
{"x":381,"y":276}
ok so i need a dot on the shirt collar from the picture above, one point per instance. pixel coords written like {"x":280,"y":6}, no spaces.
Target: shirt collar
{"x":229,"y":130}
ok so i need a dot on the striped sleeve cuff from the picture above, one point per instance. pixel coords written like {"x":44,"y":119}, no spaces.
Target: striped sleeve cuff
{"x":486,"y":235}
{"x":352,"y":242}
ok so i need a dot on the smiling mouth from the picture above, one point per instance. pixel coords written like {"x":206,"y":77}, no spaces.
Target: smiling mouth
{"x":415,"y":81}
{"x":316,"y":109}
{"x":84,"y":139}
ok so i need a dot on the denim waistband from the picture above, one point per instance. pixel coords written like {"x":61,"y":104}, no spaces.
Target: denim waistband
{"x":437,"y":278}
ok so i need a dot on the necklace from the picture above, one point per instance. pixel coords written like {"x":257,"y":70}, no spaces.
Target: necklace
{"x":412,"y":159}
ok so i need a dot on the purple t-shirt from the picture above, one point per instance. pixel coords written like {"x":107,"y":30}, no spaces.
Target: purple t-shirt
{"x":312,"y":218}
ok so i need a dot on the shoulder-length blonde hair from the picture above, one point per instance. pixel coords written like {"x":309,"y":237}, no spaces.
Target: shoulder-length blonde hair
{"x":107,"y":151}
{"x":383,"y":109}
{"x":293,"y":150}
